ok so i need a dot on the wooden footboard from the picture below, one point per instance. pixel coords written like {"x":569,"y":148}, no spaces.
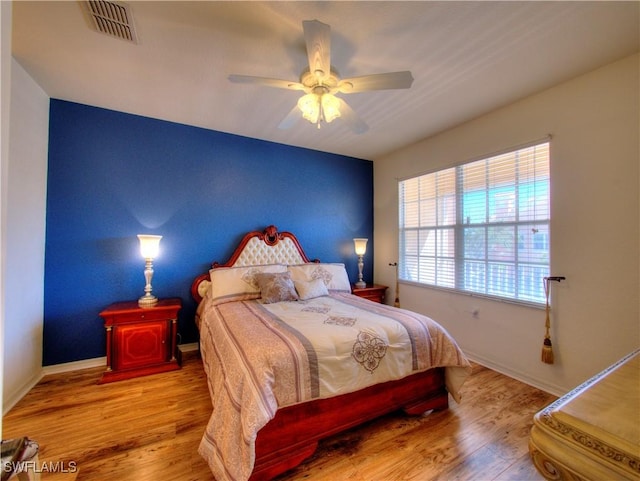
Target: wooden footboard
{"x":293,"y":435}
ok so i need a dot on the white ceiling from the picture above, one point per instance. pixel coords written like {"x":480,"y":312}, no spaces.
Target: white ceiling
{"x":467,"y":58}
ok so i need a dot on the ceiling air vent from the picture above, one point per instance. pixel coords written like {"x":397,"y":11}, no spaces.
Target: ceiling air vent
{"x":113,"y":18}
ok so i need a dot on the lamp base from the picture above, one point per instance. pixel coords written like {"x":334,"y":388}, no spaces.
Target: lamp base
{"x":147,"y":301}
{"x":361,"y":284}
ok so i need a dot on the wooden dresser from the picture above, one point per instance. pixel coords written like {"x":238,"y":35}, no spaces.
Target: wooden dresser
{"x":593,"y":432}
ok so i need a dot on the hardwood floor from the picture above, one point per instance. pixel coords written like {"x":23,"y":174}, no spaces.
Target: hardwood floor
{"x":149,"y":428}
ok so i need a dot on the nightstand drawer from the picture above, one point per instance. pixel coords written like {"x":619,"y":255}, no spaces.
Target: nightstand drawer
{"x":133,"y":317}
{"x":373,"y":292}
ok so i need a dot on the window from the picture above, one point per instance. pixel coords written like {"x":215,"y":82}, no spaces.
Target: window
{"x":481,"y":227}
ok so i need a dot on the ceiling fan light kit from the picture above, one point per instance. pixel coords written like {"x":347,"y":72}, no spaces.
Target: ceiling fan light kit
{"x":319,"y":107}
{"x":320,"y":82}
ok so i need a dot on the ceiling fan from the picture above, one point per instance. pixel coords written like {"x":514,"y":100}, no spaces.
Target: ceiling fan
{"x":320,"y":82}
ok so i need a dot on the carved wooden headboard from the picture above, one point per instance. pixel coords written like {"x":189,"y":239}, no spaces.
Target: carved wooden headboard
{"x":257,"y":248}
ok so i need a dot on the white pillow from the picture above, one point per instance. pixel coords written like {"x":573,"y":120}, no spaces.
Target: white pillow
{"x":238,"y":283}
{"x":310,"y":289}
{"x":334,"y":276}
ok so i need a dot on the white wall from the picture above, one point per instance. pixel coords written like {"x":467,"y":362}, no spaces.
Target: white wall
{"x":594,"y":121}
{"x":23,"y":234}
{"x":5,"y":102}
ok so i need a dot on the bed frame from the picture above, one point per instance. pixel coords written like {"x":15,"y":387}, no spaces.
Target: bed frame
{"x":293,"y":434}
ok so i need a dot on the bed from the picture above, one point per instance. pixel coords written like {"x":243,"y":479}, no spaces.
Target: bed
{"x":292,"y":357}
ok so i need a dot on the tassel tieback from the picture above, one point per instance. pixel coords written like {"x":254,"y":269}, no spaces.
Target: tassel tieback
{"x":547,"y":351}
{"x":547,"y":347}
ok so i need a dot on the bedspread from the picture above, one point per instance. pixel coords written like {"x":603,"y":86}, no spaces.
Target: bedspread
{"x":259,"y":357}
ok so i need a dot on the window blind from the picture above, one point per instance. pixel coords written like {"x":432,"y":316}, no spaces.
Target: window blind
{"x":481,"y":227}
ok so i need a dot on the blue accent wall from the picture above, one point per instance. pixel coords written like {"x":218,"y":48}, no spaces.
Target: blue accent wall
{"x":114,"y":175}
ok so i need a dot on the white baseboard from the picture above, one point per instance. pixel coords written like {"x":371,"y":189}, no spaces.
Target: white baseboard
{"x":75,"y":365}
{"x":97,"y":362}
{"x":8,"y":403}
{"x":517,"y":375}
{"x":12,"y":400}
{"x":193,"y":346}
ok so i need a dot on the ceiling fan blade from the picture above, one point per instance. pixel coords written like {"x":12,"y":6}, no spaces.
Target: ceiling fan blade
{"x":269,"y":82}
{"x":290,"y":120}
{"x":355,"y":123}
{"x":317,"y":36}
{"x":381,"y":81}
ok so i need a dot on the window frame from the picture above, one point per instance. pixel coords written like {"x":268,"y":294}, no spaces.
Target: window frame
{"x":539,"y":236}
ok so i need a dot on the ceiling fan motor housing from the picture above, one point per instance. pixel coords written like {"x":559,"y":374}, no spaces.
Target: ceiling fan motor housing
{"x":328,"y":83}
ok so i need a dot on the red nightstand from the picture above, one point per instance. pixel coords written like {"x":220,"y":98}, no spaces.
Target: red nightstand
{"x":141,"y":341}
{"x":373,"y":292}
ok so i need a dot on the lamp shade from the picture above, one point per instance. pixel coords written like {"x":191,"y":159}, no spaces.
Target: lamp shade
{"x":360,"y":246}
{"x":149,"y":245}
{"x":309,"y":105}
{"x":330,"y":107}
